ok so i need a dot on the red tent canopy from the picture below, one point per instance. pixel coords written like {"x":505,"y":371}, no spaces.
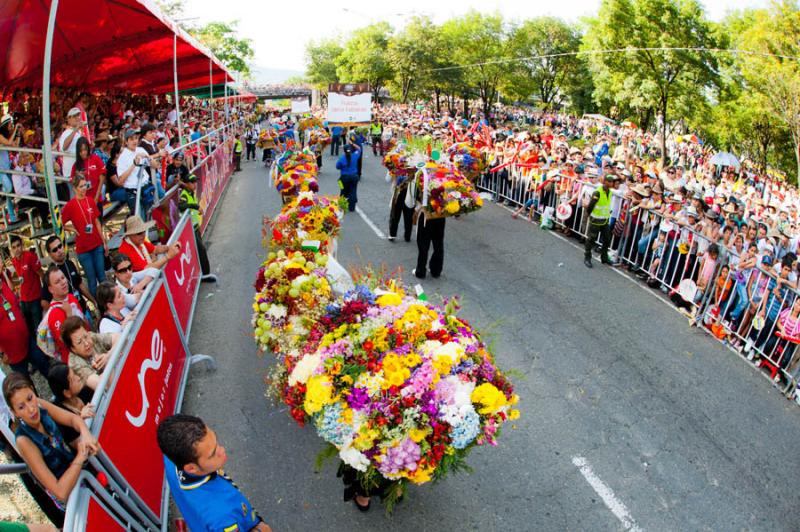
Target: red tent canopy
{"x":100,"y":45}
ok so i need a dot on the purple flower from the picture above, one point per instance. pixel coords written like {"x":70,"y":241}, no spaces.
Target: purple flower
{"x":402,"y":457}
{"x":358,"y":399}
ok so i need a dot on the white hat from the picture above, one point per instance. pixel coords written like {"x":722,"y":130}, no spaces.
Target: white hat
{"x":73,"y":112}
{"x":6,"y":119}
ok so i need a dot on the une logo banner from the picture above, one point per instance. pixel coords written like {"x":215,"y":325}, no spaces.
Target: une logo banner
{"x":152,"y":363}
{"x":184,"y":260}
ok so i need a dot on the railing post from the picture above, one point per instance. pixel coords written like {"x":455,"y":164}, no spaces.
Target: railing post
{"x":47,"y":148}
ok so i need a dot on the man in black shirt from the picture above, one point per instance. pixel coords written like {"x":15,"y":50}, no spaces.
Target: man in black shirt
{"x":177,"y":171}
{"x":78,"y":288}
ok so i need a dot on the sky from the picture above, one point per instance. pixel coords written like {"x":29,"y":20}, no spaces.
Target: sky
{"x":280,"y":30}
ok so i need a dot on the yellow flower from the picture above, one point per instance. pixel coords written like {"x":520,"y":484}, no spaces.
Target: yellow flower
{"x":490,"y":397}
{"x":513,"y":414}
{"x":421,"y":475}
{"x":417,"y":434}
{"x":451,"y":207}
{"x":347,"y":379}
{"x":319,"y":392}
{"x":514,"y":399}
{"x":411,"y":360}
{"x":347,"y":415}
{"x":389,"y":300}
{"x":442,"y":364}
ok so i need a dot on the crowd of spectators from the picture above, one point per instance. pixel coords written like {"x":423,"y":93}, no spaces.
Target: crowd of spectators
{"x":720,"y":239}
{"x":116,"y":141}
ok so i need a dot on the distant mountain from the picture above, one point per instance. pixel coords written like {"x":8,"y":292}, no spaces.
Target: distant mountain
{"x":263,"y":75}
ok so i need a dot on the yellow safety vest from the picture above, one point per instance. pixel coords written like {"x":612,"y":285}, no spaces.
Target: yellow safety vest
{"x":602,"y":209}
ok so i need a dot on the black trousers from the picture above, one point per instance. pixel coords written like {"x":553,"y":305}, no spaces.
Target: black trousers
{"x":397,"y":210}
{"x":251,"y":151}
{"x":430,"y":232}
{"x":594,"y":229}
{"x":237,"y":160}
{"x":205,"y":266}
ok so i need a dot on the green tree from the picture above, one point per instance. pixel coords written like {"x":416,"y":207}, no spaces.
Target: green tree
{"x":321,"y":58}
{"x":479,"y":43}
{"x":365,"y":57}
{"x":412,"y":55}
{"x":546,"y":71}
{"x":776,"y":77}
{"x":221,"y":38}
{"x":642,"y":78}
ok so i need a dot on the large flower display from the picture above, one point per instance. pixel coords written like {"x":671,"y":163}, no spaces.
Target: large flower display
{"x":467,"y":159}
{"x":294,"y":172}
{"x":401,"y":389}
{"x":445,"y":192}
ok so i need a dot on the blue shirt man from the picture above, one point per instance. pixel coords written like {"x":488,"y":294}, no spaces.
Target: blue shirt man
{"x":206,"y":497}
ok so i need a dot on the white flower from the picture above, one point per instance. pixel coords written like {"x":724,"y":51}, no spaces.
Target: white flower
{"x":303,"y":370}
{"x":354,"y":458}
{"x":450,"y":349}
{"x":276,"y":311}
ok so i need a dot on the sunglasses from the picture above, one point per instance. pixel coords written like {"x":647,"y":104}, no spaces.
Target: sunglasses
{"x":126,"y":269}
{"x":57,"y":248}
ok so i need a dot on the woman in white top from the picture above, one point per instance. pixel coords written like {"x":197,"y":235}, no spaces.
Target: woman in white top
{"x":111,"y":302}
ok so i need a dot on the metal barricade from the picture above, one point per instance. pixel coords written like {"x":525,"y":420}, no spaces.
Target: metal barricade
{"x":740,"y":310}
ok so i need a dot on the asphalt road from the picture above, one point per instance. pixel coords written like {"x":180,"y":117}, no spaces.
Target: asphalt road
{"x":630,"y":419}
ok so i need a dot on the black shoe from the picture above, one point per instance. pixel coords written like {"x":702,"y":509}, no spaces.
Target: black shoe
{"x":414,"y":272}
{"x":610,"y":262}
{"x":407,"y":238}
{"x":436,"y":276}
{"x":390,"y":239}
{"x":587,"y":262}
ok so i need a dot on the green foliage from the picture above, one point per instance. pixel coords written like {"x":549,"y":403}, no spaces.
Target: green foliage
{"x":221,"y":38}
{"x":412,"y":54}
{"x":775,"y":79}
{"x":321,"y":57}
{"x":327,"y":452}
{"x":656,"y":80}
{"x":365,"y":57}
{"x":543,"y":73}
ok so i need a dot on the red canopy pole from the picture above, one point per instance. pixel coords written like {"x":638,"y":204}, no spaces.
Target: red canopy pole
{"x":175,"y":75}
{"x":47,"y":146}
{"x":211,"y":90}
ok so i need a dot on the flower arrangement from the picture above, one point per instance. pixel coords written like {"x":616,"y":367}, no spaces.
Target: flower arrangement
{"x":467,"y":159}
{"x":401,"y":388}
{"x":318,"y":139}
{"x":306,"y":217}
{"x":310,"y":122}
{"x":292,"y":293}
{"x":295,"y":172}
{"x":266,"y":138}
{"x":448,"y":192}
{"x":398,"y":164}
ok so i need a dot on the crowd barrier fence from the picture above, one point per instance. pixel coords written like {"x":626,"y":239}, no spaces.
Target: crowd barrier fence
{"x":125,"y":487}
{"x":671,"y":257}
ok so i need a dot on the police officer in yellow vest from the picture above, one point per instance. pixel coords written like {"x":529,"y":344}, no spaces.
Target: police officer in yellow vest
{"x":375,"y":130}
{"x":188,"y":200}
{"x":599,"y":210}
{"x":237,"y":153}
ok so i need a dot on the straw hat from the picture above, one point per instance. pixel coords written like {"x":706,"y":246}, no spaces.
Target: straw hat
{"x":135,"y":225}
{"x":728,"y":208}
{"x":641,"y":190}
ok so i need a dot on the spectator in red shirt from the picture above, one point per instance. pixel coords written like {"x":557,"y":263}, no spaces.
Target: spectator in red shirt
{"x":141,"y":252}
{"x":91,"y":166}
{"x":17,"y":346}
{"x":81,"y":216}
{"x":29,"y":269}
{"x":63,"y":305}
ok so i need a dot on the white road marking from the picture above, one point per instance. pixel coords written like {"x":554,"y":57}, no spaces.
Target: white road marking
{"x":616,"y":506}
{"x":370,"y":223}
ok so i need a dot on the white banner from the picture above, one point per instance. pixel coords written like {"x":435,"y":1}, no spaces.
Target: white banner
{"x":350,"y":109}
{"x":300,"y":106}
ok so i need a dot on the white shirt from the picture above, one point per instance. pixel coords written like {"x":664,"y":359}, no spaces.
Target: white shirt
{"x":108,"y":325}
{"x":125,"y":161}
{"x":22,"y":184}
{"x":68,"y":160}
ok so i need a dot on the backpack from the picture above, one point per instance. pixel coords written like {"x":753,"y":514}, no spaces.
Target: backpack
{"x":44,"y":337}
